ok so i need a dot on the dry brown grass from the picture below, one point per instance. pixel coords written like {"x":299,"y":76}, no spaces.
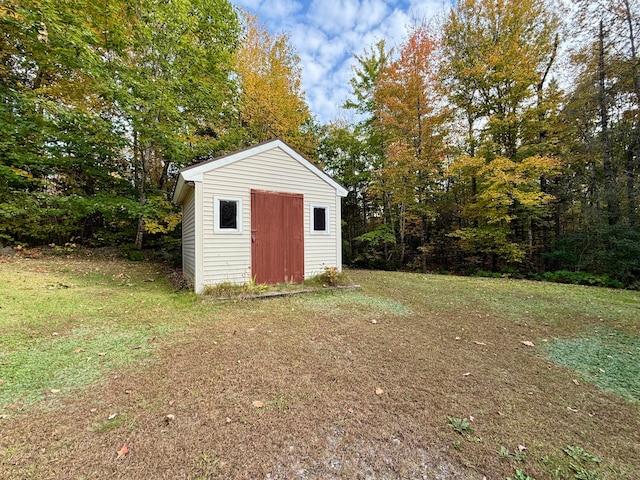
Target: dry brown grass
{"x":342,"y":396}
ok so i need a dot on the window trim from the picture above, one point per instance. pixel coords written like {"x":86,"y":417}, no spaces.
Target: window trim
{"x":216,"y":215}
{"x":312,"y":230}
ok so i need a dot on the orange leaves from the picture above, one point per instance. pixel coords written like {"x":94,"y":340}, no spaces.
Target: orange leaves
{"x":123,"y":452}
{"x":413,"y":122}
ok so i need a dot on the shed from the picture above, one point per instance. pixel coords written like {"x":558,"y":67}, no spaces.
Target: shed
{"x":263,"y":214}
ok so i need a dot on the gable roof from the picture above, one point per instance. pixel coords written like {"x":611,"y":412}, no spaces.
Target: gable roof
{"x":195,"y":173}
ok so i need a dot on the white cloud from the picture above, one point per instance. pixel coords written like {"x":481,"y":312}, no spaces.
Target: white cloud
{"x":328,"y":33}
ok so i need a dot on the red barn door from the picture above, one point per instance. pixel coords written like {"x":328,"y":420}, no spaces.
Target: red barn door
{"x":277,"y":237}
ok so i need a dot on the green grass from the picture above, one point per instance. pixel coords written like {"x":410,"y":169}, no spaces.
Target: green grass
{"x":335,"y":302}
{"x":66,"y":323}
{"x":69,"y":362}
{"x":608,"y":358}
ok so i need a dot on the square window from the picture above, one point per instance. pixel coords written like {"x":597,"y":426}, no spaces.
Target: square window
{"x":319,"y":219}
{"x":227,"y":215}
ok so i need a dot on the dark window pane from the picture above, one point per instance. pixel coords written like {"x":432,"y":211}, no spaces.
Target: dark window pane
{"x":319,"y":219}
{"x":228,"y":214}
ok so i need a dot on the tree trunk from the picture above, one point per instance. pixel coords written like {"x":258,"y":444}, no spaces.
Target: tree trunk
{"x":633,"y":154}
{"x":143,"y":168}
{"x":631,"y":191}
{"x":610,"y":194}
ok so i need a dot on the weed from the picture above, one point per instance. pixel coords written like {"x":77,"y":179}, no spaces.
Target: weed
{"x":520,"y":475}
{"x":331,"y":277}
{"x":464,"y":428}
{"x":582,"y":473}
{"x":516,"y":456}
{"x":460,"y":425}
{"x":231,"y":290}
{"x":206,"y":466}
{"x":579,"y":454}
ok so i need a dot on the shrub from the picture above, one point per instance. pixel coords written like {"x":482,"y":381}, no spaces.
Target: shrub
{"x":606,"y":251}
{"x":581,"y":278}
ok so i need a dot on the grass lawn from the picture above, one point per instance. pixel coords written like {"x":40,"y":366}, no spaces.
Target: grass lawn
{"x":414,"y":376}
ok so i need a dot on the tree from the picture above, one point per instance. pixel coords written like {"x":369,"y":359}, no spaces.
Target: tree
{"x":379,"y":233}
{"x":172,"y":85}
{"x":343,"y":155}
{"x":101,"y":103}
{"x":509,"y":192}
{"x":57,"y":145}
{"x":414,"y":125}
{"x":272,"y":102}
{"x":619,"y":74}
{"x":497,"y":56}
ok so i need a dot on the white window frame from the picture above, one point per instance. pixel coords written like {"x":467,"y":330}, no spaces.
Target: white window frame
{"x":216,"y":215}
{"x":312,"y":208}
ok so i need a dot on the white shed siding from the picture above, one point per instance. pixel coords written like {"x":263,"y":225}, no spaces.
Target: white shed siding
{"x":227,"y":257}
{"x":189,"y":236}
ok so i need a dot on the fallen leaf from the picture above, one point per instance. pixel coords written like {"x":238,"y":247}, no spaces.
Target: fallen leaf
{"x":379,"y":391}
{"x":575,"y":381}
{"x":471,"y":418}
{"x":601,"y":370}
{"x":171,"y":417}
{"x":228,"y":420}
{"x":466,"y":374}
{"x":521,"y":448}
{"x":78,"y":350}
{"x":55,"y":390}
{"x":123,"y":451}
{"x":257,"y":404}
{"x":527,"y":343}
{"x":112,"y":416}
{"x":102,"y":354}
{"x":374,"y":321}
{"x":479,"y":343}
{"x":574,"y":410}
{"x":152,"y":339}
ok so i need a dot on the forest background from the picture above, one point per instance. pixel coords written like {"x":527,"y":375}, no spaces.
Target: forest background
{"x":502,"y":138}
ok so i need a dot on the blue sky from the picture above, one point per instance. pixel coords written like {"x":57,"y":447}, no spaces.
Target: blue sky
{"x":327,"y":33}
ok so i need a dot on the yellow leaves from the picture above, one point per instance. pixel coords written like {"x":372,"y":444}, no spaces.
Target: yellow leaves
{"x":538,"y":165}
{"x":164,"y":218}
{"x":466,"y":165}
{"x":505,"y":190}
{"x":272,"y":102}
{"x":20,"y":172}
{"x":162,"y":225}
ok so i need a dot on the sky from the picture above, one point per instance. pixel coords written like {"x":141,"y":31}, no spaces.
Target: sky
{"x":328,"y":33}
